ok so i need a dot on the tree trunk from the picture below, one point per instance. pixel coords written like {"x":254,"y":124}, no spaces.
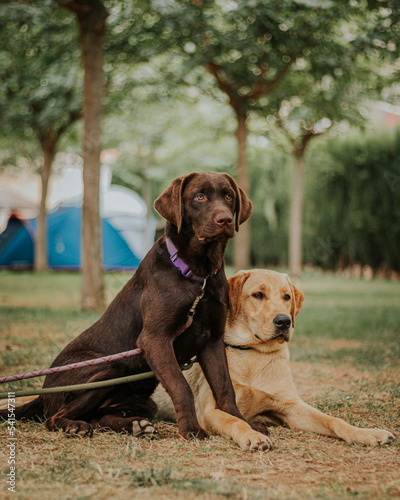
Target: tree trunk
{"x":41,"y":260}
{"x":295,"y":230}
{"x":242,"y":238}
{"x":92,"y":29}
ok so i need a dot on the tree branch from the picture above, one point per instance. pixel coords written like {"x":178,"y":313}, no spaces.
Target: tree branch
{"x":213,"y":69}
{"x":299,"y":144}
{"x":75,"y":6}
{"x":73,"y":117}
{"x":262,"y":87}
{"x":286,"y":132}
{"x":305,"y":139}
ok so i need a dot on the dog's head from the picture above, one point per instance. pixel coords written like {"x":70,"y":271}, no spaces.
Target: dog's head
{"x":205,"y":203}
{"x":263,"y":305}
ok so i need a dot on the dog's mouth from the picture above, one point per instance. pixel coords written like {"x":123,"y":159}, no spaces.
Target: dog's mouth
{"x":221,"y":235}
{"x":280,"y":337}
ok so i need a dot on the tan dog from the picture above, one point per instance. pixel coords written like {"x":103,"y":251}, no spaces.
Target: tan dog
{"x":262,"y":310}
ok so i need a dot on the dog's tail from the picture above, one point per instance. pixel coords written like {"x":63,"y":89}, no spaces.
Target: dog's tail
{"x":29,"y":411}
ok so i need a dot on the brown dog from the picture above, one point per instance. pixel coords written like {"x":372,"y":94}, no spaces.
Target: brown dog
{"x":262,"y":310}
{"x":150,"y":312}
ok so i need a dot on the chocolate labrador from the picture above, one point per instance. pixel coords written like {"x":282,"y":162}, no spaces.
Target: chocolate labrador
{"x":202,"y":212}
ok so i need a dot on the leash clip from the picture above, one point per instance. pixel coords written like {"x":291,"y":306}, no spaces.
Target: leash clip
{"x":189,"y":364}
{"x":198,"y":298}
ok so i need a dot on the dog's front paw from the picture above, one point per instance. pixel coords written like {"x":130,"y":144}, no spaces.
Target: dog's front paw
{"x":78,"y":428}
{"x":373,"y":437}
{"x":143,"y":428}
{"x":255,"y":441}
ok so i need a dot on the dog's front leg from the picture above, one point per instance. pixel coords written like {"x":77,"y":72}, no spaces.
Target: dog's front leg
{"x":300,"y":415}
{"x":212,"y":359}
{"x":160,"y":356}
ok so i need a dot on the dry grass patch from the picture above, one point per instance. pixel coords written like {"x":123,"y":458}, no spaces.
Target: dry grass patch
{"x":346,"y":356}
{"x":301,"y":465}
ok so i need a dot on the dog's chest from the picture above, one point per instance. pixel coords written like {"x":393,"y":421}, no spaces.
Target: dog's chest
{"x":205,"y":327}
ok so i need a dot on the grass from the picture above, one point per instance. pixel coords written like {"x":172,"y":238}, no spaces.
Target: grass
{"x":345,"y":360}
{"x":359,"y":318}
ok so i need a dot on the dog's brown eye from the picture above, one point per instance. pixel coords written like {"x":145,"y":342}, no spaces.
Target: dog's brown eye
{"x":200,"y":197}
{"x":228,"y":197}
{"x":258,"y":295}
{"x":286,"y":297}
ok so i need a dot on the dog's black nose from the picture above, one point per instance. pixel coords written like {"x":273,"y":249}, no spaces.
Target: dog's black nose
{"x":282,"y":322}
{"x":223,"y":219}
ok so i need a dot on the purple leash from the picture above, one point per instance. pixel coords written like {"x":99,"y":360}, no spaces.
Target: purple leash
{"x":71,"y":366}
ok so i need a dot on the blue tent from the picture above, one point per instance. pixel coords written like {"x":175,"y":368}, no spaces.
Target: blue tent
{"x":64,"y":243}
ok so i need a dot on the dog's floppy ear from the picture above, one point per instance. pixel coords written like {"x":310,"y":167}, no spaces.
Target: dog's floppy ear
{"x":243,"y":207}
{"x":297,"y":302}
{"x":235,"y":293}
{"x":170,"y":204}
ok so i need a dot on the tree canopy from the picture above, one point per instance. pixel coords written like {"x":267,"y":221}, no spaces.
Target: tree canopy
{"x":40,"y":70}
{"x":298,"y":66}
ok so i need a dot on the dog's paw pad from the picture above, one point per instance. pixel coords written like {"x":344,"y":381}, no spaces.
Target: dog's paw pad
{"x":257,"y":442}
{"x":264,"y":445}
{"x":383,"y":437}
{"x":373,"y":437}
{"x":259,"y":445}
{"x":79,"y":429}
{"x":143,"y":428}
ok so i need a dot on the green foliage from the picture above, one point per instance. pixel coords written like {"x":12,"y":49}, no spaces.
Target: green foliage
{"x":353,"y":207}
{"x":158,"y":141}
{"x":249,"y":47}
{"x":252,"y":47}
{"x":40,"y":69}
{"x":308,"y":61}
{"x":351,"y":203}
{"x":270,"y":188}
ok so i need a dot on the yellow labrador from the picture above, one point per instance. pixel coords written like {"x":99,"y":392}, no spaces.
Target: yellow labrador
{"x":262,"y":310}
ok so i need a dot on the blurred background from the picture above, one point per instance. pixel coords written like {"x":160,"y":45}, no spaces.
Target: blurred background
{"x":298,"y":100}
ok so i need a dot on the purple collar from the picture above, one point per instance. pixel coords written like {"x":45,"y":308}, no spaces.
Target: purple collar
{"x":181,"y":265}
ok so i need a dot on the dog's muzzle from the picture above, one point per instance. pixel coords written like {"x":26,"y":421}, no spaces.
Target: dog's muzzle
{"x":282,"y":324}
